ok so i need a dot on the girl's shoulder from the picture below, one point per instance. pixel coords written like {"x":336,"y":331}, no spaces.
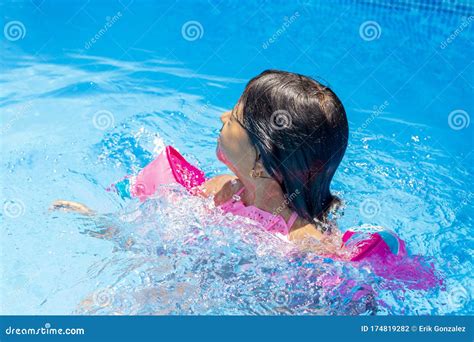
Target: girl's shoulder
{"x":301,"y":230}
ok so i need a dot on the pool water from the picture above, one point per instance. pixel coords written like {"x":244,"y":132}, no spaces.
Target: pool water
{"x":90,"y":92}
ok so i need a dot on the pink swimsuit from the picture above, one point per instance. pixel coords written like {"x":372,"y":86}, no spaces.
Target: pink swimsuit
{"x":270,"y":222}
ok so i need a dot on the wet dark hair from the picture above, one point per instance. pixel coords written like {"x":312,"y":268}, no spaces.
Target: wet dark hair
{"x":300,"y":129}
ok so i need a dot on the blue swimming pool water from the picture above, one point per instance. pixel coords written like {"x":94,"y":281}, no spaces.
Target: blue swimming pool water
{"x":90,"y":92}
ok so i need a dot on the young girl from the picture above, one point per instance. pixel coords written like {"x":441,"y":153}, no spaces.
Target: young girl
{"x":283,"y":140}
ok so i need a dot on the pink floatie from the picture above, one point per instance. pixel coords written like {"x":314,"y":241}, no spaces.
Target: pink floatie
{"x":388,"y":257}
{"x":376,"y":244}
{"x":169,"y":167}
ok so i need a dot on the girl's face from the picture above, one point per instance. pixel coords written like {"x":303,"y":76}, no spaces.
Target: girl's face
{"x":234,"y":148}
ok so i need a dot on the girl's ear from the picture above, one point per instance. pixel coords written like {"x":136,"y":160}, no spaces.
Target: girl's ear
{"x":260,"y":169}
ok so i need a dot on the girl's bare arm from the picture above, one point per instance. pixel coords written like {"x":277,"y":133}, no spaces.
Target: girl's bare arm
{"x":72,"y":206}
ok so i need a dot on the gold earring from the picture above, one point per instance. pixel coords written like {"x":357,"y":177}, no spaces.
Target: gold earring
{"x":255,"y":174}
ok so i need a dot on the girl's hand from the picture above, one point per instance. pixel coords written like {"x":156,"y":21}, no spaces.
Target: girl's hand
{"x":221,"y":187}
{"x":227,"y":190}
{"x":71,"y":206}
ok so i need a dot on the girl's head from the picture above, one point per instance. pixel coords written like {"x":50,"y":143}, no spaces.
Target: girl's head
{"x":289,"y":129}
